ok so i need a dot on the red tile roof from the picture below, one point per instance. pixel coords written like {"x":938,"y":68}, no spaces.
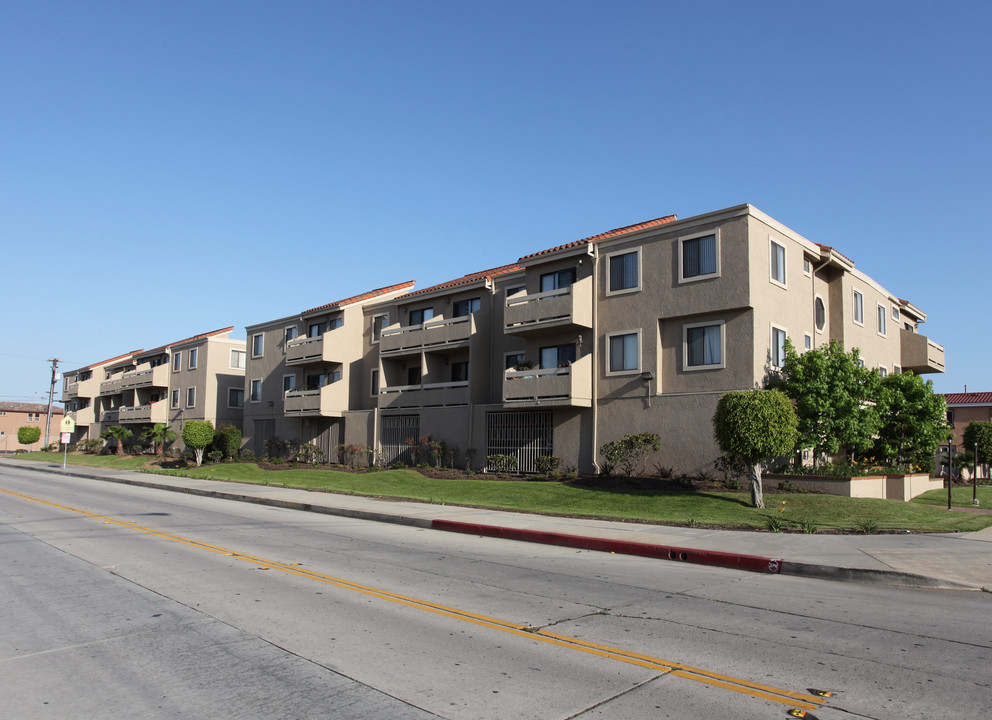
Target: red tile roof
{"x":364,"y":296}
{"x":972,"y":398}
{"x":29,"y":407}
{"x":470,"y":278}
{"x":835,"y":251}
{"x":125,"y":356}
{"x":189,"y":339}
{"x":608,"y":234}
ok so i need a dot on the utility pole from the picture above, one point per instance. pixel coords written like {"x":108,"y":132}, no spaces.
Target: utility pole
{"x":51,"y":392}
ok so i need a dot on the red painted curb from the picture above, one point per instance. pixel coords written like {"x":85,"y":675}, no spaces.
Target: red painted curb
{"x":752,"y":563}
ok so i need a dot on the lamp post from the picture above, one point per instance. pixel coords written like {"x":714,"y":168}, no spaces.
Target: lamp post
{"x":950,"y":468}
{"x":974,"y":478}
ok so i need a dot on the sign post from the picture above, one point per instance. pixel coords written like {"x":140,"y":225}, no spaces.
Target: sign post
{"x":67,"y":427}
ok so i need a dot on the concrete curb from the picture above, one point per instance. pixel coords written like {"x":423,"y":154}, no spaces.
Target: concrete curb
{"x":735,"y":561}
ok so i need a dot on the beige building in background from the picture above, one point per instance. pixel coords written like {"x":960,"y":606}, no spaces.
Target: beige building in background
{"x":15,"y":415}
{"x":199,"y":378}
{"x":639,"y":329}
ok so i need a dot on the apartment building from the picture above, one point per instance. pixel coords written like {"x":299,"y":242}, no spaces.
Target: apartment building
{"x":15,"y":415}
{"x":307,"y":373}
{"x":963,"y":409}
{"x":198,"y":378}
{"x":639,"y":329}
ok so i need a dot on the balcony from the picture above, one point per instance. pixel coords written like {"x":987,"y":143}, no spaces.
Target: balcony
{"x":435,"y":334}
{"x":550,"y":387}
{"x":424,"y":395}
{"x":157,"y":412}
{"x":147,"y":377}
{"x":328,"y":401}
{"x":112,"y":387}
{"x":920,"y":354}
{"x":110,"y":416}
{"x":83,"y":416}
{"x":563,"y":308}
{"x":70,"y":392}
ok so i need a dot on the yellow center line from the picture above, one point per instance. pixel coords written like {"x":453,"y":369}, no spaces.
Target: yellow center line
{"x":767,"y":692}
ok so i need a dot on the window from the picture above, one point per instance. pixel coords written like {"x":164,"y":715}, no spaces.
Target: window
{"x":557,"y":356}
{"x":34,"y":417}
{"x":882,"y":371}
{"x":859,"y":308}
{"x":417,"y":317}
{"x":291,"y":333}
{"x":881,"y":320}
{"x":807,"y":267}
{"x":515,"y":289}
{"x":896,"y":370}
{"x":777,"y":263}
{"x":625,"y":272}
{"x":239,"y":359}
{"x":236,"y":397}
{"x":557,"y":280}
{"x":192,"y":358}
{"x":778,"y":347}
{"x":703,"y":346}
{"x":413,"y":375}
{"x":461,"y":308}
{"x":255,"y":391}
{"x":177,"y":361}
{"x":317,"y":329}
{"x":624,"y":350}
{"x":819,"y":314}
{"x":895,"y":313}
{"x":257,"y":344}
{"x":191,"y":397}
{"x":374,"y":383}
{"x":511,"y":360}
{"x":950,"y":418}
{"x":175,"y":399}
{"x":699,"y":257}
{"x":288,"y":383}
{"x":808,"y":341}
{"x":459,"y":371}
{"x":378,"y":323}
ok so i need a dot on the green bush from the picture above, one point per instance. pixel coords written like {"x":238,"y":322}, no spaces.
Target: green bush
{"x":548,"y":464}
{"x":628,"y":454}
{"x":310,"y":454}
{"x":28,"y":434}
{"x":502,"y":463}
{"x":227,"y":440}
{"x":198,"y":434}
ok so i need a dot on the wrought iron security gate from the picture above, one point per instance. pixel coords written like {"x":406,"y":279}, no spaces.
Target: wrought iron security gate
{"x":396,"y":430}
{"x":523,"y":435}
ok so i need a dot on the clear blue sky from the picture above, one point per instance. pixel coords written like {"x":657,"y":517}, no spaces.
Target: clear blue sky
{"x":171,"y":168}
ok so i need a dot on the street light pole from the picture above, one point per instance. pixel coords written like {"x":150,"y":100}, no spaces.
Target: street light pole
{"x":974,"y":479}
{"x":950,"y":468}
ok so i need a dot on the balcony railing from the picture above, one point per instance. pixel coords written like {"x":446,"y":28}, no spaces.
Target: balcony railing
{"x":328,"y":401}
{"x":156,"y":412}
{"x":83,"y":416}
{"x":919,"y":353}
{"x":424,"y":395}
{"x":110,"y":416}
{"x":148,"y":377}
{"x":564,"y":386}
{"x":553,"y":308}
{"x":434,"y":334}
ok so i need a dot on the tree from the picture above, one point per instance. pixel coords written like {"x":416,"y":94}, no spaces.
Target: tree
{"x":197,"y":434}
{"x":754,"y":426}
{"x":979,"y":432}
{"x":227,"y":439}
{"x":159,"y":435}
{"x":118,"y":433}
{"x":913,"y":420}
{"x":28,"y":434}
{"x":833,"y":394}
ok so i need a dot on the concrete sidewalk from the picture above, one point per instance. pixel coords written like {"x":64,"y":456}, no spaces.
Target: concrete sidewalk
{"x":949,"y":560}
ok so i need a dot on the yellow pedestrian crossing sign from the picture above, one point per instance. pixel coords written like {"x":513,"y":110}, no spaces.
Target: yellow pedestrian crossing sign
{"x":68,"y":425}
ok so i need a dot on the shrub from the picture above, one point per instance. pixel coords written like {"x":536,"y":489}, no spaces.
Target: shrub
{"x":246,"y":454}
{"x":215,"y":456}
{"x":310,"y":454}
{"x":628,"y":454}
{"x":548,"y":464}
{"x":28,"y":434}
{"x":197,"y":434}
{"x":502,"y":463}
{"x":227,"y":440}
{"x":92,"y":446}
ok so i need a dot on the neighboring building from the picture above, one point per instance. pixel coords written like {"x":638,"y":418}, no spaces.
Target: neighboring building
{"x":307,"y":372}
{"x":15,"y":415}
{"x":199,"y":378}
{"x":962,"y":410}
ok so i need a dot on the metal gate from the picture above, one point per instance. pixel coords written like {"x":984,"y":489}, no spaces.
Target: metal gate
{"x":396,"y":430}
{"x":523,"y":435}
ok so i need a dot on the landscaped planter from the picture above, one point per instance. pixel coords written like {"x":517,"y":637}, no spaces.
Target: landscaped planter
{"x":883,"y":487}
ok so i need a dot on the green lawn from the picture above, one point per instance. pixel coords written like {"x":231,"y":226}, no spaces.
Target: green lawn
{"x":614,"y":499}
{"x":124,"y":462}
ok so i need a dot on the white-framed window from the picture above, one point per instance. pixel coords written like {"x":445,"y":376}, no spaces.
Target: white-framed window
{"x":880,"y":327}
{"x":191,"y":397}
{"x":859,"y":308}
{"x":290,"y":333}
{"x":374,"y":383}
{"x":882,"y":370}
{"x":896,"y":370}
{"x":235,"y":397}
{"x":255,"y":390}
{"x":819,"y":314}
{"x":378,"y":323}
{"x":193,"y":352}
{"x":624,"y":270}
{"x":257,"y":345}
{"x":177,"y":360}
{"x":895,"y":313}
{"x":807,"y":267}
{"x":288,"y":382}
{"x":808,"y":341}
{"x":239,"y":359}
{"x":777,"y":262}
{"x":623,"y":352}
{"x":703,"y":345}
{"x":699,"y":256}
{"x":463,"y":308}
{"x":34,"y":417}
{"x":778,"y":346}
{"x":174,"y":400}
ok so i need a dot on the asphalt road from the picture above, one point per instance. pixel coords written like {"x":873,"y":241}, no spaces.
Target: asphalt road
{"x":121,"y":601}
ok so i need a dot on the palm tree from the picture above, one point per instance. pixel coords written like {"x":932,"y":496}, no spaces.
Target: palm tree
{"x":160,"y":434}
{"x":118,"y":433}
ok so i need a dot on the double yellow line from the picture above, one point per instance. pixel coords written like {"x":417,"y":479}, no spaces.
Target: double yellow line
{"x":727,"y":682}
